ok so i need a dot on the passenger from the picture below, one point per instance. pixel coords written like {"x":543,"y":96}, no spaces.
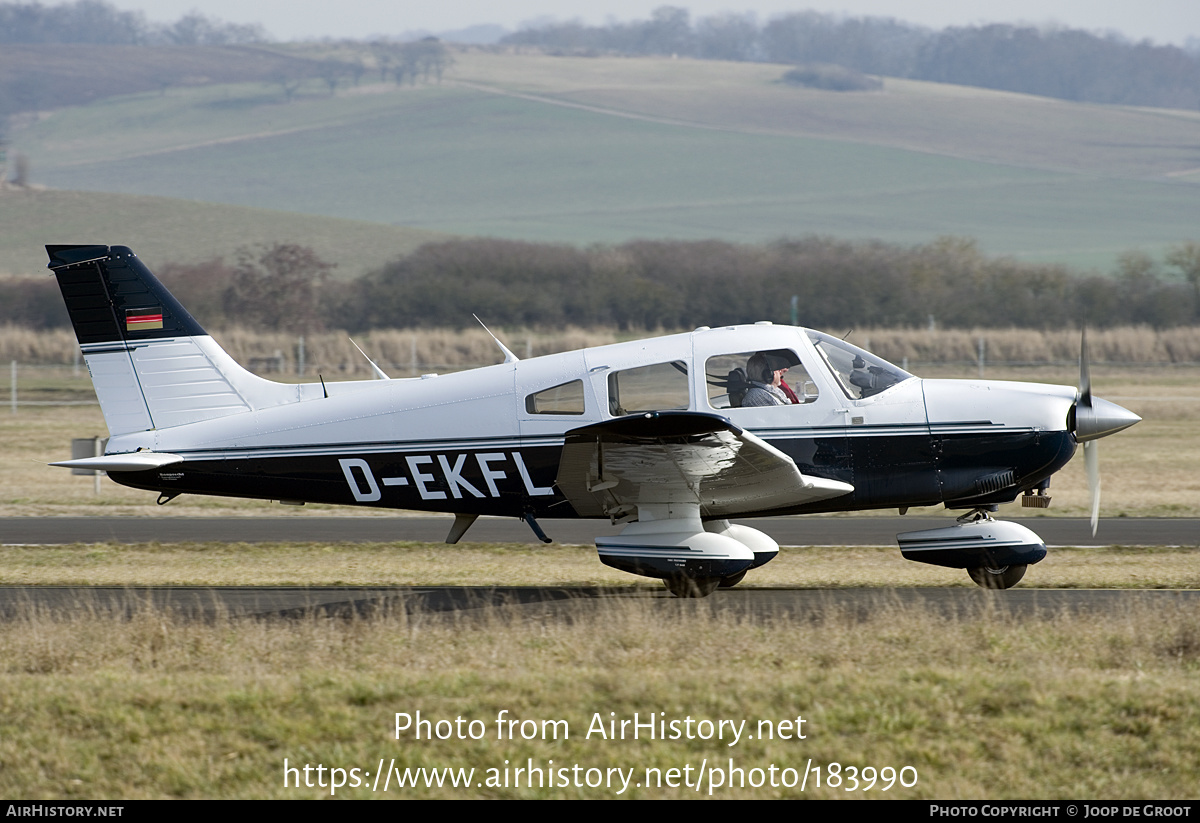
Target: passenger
{"x":764,"y":383}
{"x":787,"y":390}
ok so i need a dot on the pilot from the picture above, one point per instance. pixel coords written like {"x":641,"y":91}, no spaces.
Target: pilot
{"x":764,"y":383}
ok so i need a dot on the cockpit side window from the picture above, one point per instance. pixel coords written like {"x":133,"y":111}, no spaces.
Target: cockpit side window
{"x":566,"y":398}
{"x":859,"y":373}
{"x":649,"y":388}
{"x":731,"y":376}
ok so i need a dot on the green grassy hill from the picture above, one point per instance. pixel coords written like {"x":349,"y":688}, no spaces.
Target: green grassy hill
{"x":165,"y":230}
{"x":584,"y":150}
{"x":42,"y":76}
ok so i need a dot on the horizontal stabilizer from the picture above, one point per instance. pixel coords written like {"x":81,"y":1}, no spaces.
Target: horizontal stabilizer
{"x":131,"y":462}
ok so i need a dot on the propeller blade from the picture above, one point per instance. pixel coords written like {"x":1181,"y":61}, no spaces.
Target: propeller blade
{"x":1085,"y":376}
{"x":1095,"y":418}
{"x":1091,"y":457}
{"x":1084,"y":420}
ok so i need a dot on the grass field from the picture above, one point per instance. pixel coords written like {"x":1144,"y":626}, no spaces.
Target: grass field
{"x":611,"y":149}
{"x":1096,"y":707}
{"x":406,"y":563}
{"x":165,"y":230}
{"x":934,"y":118}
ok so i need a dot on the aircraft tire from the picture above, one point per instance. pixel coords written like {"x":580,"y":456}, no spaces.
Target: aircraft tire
{"x":732,"y":580}
{"x":1003,"y":578}
{"x":691,"y":586}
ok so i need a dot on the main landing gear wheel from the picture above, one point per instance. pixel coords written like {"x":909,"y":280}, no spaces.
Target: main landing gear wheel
{"x":1004,"y":577}
{"x":733,"y":579}
{"x":691,"y":587}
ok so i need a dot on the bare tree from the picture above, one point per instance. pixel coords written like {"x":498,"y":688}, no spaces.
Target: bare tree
{"x":332,"y":71}
{"x":278,"y":287}
{"x":425,"y":57}
{"x":385,"y":55}
{"x":1186,"y":258}
{"x":289,"y":81}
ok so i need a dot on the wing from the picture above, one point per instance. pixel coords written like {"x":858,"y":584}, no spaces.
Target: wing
{"x":681,"y":458}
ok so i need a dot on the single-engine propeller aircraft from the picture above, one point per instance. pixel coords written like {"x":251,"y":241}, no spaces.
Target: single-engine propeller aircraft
{"x":673,"y":436}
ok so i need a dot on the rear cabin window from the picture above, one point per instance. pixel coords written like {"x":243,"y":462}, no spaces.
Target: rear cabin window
{"x":649,"y":388}
{"x":566,"y":398}
{"x":728,"y":376}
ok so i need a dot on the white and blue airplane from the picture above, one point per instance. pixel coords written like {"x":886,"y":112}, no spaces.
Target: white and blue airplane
{"x":673,"y":436}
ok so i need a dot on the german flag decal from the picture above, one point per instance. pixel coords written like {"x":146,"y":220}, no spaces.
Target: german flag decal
{"x":143,"y":319}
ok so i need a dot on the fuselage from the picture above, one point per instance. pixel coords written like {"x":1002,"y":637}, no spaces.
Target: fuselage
{"x":489,"y":440}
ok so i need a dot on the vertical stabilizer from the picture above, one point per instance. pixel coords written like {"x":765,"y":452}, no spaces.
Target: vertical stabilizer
{"x":152,"y":364}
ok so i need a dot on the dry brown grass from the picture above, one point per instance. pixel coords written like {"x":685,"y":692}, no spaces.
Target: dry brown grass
{"x":487,"y":564}
{"x":403,"y":351}
{"x":1134,"y":344}
{"x":56,"y":346}
{"x":985,"y":706}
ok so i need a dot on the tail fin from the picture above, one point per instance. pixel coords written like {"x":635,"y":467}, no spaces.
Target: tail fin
{"x":152,"y":364}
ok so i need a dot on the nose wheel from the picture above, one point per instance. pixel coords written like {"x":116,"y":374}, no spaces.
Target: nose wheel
{"x":1004,"y":577}
{"x":732,"y":580}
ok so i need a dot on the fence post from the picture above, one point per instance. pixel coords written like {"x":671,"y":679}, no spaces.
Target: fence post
{"x":982,"y":354}
{"x":14,"y":387}
{"x":88,"y":447}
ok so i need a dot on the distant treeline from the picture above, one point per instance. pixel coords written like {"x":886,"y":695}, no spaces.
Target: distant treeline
{"x":117,"y":52}
{"x":837,"y":284}
{"x":1069,"y":64}
{"x":93,"y":21}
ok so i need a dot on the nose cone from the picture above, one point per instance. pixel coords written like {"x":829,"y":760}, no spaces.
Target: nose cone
{"x":1100,"y":418}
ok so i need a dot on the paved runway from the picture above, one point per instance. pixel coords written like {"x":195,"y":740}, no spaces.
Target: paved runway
{"x":788,"y":531}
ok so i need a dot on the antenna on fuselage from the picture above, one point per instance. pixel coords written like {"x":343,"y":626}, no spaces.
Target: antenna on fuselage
{"x":509,"y":357}
{"x":379,"y":373}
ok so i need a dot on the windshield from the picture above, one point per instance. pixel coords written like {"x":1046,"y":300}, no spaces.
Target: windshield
{"x":860,"y":373}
